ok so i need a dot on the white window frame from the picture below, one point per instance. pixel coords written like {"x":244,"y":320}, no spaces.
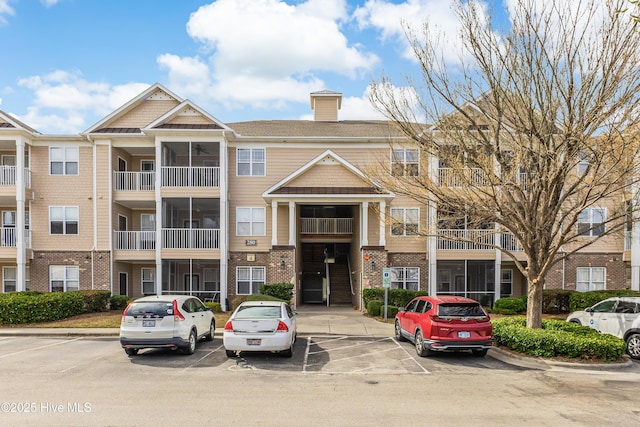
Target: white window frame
{"x":399,"y":215}
{"x":68,"y":275}
{"x":590,"y":222}
{"x":9,"y":279}
{"x":506,"y":279}
{"x":399,"y":157}
{"x":583,"y":163}
{"x":67,"y":211}
{"x":251,"y":161}
{"x":591,"y":279}
{"x":252,"y":222}
{"x":67,"y":156}
{"x":148,"y":277}
{"x":252,"y":277}
{"x":400,"y":278}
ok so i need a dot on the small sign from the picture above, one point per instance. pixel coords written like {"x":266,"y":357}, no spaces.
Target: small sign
{"x":386,"y":277}
{"x":250,"y":242}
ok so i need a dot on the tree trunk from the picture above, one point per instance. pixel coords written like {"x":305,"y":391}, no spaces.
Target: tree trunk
{"x":534,"y":303}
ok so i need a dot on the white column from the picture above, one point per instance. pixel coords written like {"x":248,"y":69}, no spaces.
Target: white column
{"x":224,"y":223}
{"x":432,"y":247}
{"x":383,"y":220}
{"x":635,"y":242}
{"x":158,"y":218}
{"x":364,"y":238}
{"x":292,"y":224}
{"x":498,"y":266}
{"x":274,"y":223}
{"x":20,"y":229}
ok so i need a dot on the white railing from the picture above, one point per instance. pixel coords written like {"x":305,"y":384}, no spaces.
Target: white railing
{"x":8,"y":176}
{"x":449,"y":177}
{"x":184,"y":176}
{"x":190,"y":238}
{"x":475,"y":240}
{"x":134,"y":240}
{"x":326,"y":225}
{"x":134,"y":181}
{"x":8,"y":237}
{"x":627,"y":240}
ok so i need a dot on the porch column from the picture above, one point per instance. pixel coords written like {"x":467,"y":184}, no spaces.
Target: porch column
{"x":364,"y":239}
{"x":432,"y":248}
{"x":635,"y":243}
{"x":498,"y":265}
{"x":292,"y":224}
{"x":274,"y":223}
{"x":383,"y":220}
{"x":159,"y":219}
{"x":20,"y":225}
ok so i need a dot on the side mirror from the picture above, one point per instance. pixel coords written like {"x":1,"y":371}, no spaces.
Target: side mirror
{"x":589,"y":309}
{"x":401,"y":309}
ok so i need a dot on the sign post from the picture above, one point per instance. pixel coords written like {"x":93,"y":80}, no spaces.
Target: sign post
{"x":386,"y":284}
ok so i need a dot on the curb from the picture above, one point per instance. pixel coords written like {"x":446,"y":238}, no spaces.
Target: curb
{"x":529,"y":362}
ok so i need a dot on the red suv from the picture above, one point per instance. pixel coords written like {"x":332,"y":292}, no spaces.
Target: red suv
{"x":442,"y":323}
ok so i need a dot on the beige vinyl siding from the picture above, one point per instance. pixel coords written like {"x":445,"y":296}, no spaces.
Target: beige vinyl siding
{"x":326,"y":109}
{"x":143,"y":114}
{"x":283,"y":223}
{"x":328,"y":176}
{"x":103,"y":201}
{"x":190,"y":119}
{"x":61,"y":190}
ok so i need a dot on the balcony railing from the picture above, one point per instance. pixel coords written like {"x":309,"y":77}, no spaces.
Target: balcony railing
{"x":8,"y":237}
{"x":475,"y":240}
{"x":134,"y":181}
{"x":172,"y":238}
{"x":326,"y":225}
{"x":184,"y":176}
{"x":8,"y":176}
{"x":449,"y":177}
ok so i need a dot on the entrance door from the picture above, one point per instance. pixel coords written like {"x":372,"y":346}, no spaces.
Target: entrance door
{"x":312,"y":292}
{"x":123,"y":279}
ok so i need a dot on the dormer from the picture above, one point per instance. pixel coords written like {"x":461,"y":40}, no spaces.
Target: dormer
{"x":325,"y":105}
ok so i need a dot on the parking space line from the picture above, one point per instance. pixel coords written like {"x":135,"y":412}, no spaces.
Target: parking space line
{"x":349,"y":346}
{"x":306,"y":355}
{"x":203,"y":357}
{"x":409,"y":355}
{"x":39,"y":348}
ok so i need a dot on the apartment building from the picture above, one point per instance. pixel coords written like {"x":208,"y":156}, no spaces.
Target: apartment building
{"x":161,"y":197}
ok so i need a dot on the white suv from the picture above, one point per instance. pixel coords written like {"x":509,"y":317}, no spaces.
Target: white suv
{"x":619,"y":316}
{"x":166,"y":321}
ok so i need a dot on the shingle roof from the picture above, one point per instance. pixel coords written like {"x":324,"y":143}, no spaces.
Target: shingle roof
{"x":188,"y":126}
{"x":307,"y":128}
{"x":118,"y":130}
{"x":326,"y":190}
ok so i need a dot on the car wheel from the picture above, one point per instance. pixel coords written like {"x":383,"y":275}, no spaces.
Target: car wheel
{"x":191,"y":346}
{"x":212,"y":331}
{"x":420,"y":348}
{"x":131,"y":351}
{"x":633,"y":346}
{"x":287,"y":353}
{"x":398,"y":330}
{"x":230,"y":353}
{"x":482,"y":352}
{"x":576,"y":321}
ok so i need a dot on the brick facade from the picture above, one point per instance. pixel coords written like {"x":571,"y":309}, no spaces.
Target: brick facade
{"x":616,"y":273}
{"x":412,"y":260}
{"x":94,"y":268}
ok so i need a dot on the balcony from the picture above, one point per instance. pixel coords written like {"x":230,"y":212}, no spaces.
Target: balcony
{"x":134,"y":181}
{"x":172,"y":238}
{"x":455,"y":239}
{"x":172,"y":176}
{"x":326,"y":225}
{"x":449,"y":177}
{"x":8,"y":176}
{"x":8,"y":238}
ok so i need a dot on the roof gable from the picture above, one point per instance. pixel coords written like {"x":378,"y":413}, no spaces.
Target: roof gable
{"x":9,"y":122}
{"x":186,"y":115}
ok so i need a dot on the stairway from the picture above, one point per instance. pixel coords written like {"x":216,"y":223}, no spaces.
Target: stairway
{"x":340,"y":288}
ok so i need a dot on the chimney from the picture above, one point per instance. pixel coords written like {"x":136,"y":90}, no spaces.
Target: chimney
{"x":325,"y":105}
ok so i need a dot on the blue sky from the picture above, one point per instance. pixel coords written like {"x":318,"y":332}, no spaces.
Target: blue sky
{"x":69,"y":63}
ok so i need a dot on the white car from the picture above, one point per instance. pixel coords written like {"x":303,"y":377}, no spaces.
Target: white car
{"x":166,"y":321}
{"x":261,"y":326}
{"x":619,"y":316}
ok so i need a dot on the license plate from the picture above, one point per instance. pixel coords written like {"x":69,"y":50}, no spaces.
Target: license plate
{"x":464,"y":334}
{"x":254,"y":341}
{"x":148,"y":323}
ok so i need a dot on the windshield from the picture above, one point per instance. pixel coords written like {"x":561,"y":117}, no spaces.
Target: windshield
{"x":461,"y":310}
{"x":258,"y":312}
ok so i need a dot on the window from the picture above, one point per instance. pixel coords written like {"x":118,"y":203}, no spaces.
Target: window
{"x":583,"y":163}
{"x":9,"y":277}
{"x":404,"y":221}
{"x":591,"y":222}
{"x":63,"y":220}
{"x":250,"y":222}
{"x":148,"y":276}
{"x":211,"y":279}
{"x":506,"y":283}
{"x":63,"y":278}
{"x":405,"y":278}
{"x":249,"y":279}
{"x":250,"y":161}
{"x":63,"y":160}
{"x":591,"y":279}
{"x":404,"y":162}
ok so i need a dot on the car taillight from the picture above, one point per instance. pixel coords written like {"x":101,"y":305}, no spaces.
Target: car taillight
{"x":176,"y":313}
{"x":124,"y":313}
{"x":228,"y":326}
{"x":282,"y":327}
{"x":435,"y":318}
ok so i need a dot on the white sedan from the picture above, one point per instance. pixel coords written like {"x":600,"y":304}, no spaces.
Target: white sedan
{"x":261,"y":326}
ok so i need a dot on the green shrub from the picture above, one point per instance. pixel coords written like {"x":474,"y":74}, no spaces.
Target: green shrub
{"x":118,"y":302}
{"x":216,"y":307}
{"x":556,"y":301}
{"x":371,"y":294}
{"x":556,"y":338}
{"x":373,"y":308}
{"x":94,"y":300}
{"x":283,"y":291}
{"x":396,"y":297}
{"x":27,"y":307}
{"x":392,"y":310}
{"x":239,"y":299}
{"x":510,"y":305}
{"x":582,"y":300}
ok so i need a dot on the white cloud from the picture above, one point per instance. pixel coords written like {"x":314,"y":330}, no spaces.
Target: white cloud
{"x":359,"y":108}
{"x":257,"y":52}
{"x":5,"y":10}
{"x":49,"y":3}
{"x":73,"y":99}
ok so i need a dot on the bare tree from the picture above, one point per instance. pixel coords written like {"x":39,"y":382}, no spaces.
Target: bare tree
{"x":534,"y":128}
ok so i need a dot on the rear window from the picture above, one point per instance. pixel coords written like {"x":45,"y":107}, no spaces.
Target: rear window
{"x":150,"y":309}
{"x":258,"y":312}
{"x":460,"y":310}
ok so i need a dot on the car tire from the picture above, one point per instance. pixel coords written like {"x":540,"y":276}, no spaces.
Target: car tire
{"x":633,"y":346}
{"x":287,"y":353}
{"x":420,"y":348}
{"x":576,"y":321}
{"x":131,"y":351}
{"x":212,"y":331}
{"x":230,"y":353}
{"x":480,"y":352}
{"x":191,"y":345}
{"x":398,"y":331}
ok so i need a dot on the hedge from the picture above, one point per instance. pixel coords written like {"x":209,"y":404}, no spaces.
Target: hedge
{"x":235,"y":302}
{"x":557,"y":338}
{"x":373,"y":307}
{"x":581,"y":300}
{"x":396,"y":297}
{"x":23,"y":307}
{"x":216,"y":307}
{"x":283,"y":291}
